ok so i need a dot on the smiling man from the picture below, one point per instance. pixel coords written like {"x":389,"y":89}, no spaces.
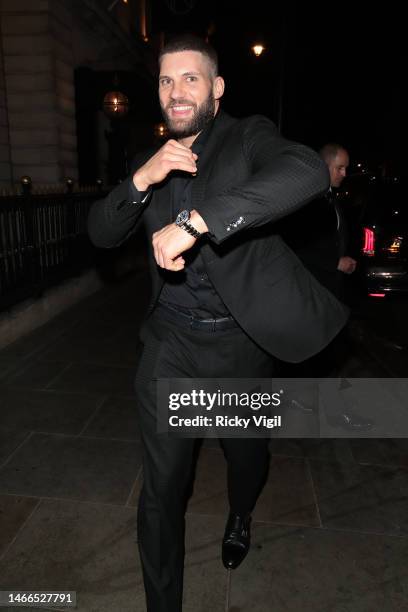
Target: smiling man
{"x":228,"y":296}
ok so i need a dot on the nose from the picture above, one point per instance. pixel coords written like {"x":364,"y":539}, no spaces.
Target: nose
{"x":177,"y":90}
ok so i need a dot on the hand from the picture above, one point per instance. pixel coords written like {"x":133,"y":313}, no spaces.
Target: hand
{"x":171,"y":241}
{"x":347,"y":265}
{"x":171,"y":156}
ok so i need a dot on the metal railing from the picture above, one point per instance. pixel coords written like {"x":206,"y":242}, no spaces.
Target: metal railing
{"x":43,"y":239}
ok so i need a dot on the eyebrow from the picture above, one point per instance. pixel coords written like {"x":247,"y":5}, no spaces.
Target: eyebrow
{"x":190,"y":73}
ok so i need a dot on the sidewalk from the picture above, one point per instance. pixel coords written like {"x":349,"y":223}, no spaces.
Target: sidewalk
{"x":330,"y":531}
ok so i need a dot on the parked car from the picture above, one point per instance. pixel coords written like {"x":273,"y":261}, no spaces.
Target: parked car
{"x":377,"y":211}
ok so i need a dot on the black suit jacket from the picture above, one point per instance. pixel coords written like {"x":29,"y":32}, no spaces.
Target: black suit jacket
{"x":318,"y":236}
{"x":248,"y":178}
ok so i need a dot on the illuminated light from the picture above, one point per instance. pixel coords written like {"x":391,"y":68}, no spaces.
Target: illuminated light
{"x":395,"y":245}
{"x":115,"y":104}
{"x":369,"y":242}
{"x":161,"y":131}
{"x":358,"y":165}
{"x":258,"y":49}
{"x":377,"y":295}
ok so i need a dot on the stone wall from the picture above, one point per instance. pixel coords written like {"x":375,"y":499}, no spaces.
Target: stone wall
{"x":38,"y":69}
{"x":5,"y":168}
{"x":42,"y":42}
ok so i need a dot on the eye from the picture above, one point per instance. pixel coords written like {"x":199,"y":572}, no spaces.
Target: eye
{"x":190,"y":79}
{"x":164,"y":82}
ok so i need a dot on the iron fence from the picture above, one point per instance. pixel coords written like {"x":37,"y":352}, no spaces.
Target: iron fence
{"x":43,"y":240}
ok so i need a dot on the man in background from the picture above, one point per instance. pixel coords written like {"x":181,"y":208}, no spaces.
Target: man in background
{"x":319,"y":236}
{"x":318,"y":233}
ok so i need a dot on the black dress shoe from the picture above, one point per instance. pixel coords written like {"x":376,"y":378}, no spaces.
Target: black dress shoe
{"x":350,"y":421}
{"x":236,"y":541}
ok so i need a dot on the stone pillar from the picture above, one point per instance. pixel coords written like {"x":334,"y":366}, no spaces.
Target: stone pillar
{"x":39,"y":78}
{"x":5,"y":168}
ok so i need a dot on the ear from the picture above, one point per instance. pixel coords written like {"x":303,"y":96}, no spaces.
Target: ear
{"x":218,"y":87}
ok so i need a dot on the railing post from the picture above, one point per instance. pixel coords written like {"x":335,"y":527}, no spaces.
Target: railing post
{"x":71,"y":213}
{"x":26,"y":185}
{"x":31,"y":255}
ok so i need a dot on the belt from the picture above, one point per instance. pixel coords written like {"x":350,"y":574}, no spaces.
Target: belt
{"x":185,"y":320}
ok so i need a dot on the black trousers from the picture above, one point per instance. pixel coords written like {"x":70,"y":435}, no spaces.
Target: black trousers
{"x":177,"y":352}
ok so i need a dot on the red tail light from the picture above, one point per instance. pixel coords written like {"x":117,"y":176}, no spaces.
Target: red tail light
{"x":369,"y":242}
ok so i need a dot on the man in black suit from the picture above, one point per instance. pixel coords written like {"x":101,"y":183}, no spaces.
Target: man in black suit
{"x":228,"y":295}
{"x":318,"y":234}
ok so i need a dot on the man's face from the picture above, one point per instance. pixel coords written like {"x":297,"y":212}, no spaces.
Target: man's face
{"x":188,"y":92}
{"x":338,"y":167}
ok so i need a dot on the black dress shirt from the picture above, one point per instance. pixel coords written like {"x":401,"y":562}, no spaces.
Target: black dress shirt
{"x":190,"y":290}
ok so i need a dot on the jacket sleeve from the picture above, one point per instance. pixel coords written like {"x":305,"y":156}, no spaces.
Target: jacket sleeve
{"x":283,"y":176}
{"x":113,"y":219}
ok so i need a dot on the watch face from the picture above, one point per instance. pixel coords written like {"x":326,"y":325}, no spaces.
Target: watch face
{"x":182,"y":217}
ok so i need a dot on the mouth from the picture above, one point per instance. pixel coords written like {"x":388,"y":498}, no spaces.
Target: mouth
{"x":181,"y":110}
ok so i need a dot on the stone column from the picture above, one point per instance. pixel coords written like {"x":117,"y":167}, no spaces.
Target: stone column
{"x":39,"y":79}
{"x":5,"y":168}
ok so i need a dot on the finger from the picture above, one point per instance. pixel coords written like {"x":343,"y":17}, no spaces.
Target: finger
{"x":182,"y":153}
{"x":180,"y":159}
{"x":161,"y":258}
{"x":177,"y":145}
{"x":178,"y":151}
{"x":156,"y":255}
{"x":174,"y":266}
{"x":156,"y":250}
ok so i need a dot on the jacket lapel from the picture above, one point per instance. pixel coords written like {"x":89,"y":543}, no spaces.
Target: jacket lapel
{"x":220,"y":127}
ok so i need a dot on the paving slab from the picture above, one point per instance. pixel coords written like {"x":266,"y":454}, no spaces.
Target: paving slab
{"x":69,"y":467}
{"x":98,"y":379}
{"x":116,"y":418}
{"x":291,"y":569}
{"x":14,"y":511}
{"x":46,"y":410}
{"x":362,"y":497}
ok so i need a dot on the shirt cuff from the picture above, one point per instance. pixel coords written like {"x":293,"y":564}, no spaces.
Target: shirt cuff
{"x":136,"y":196}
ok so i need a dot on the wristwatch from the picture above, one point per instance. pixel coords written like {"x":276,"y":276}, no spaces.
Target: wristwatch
{"x":183,"y":221}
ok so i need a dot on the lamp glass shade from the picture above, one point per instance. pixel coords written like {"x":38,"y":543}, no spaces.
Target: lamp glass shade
{"x":115,"y":104}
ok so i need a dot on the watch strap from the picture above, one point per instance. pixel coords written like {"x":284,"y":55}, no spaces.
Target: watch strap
{"x":190,"y":229}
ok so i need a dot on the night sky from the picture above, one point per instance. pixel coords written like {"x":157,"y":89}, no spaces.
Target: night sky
{"x":343,"y":66}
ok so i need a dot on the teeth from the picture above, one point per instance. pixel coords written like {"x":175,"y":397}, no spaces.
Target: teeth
{"x":181,"y":108}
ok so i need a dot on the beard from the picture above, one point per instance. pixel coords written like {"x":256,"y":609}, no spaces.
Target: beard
{"x":202,"y":115}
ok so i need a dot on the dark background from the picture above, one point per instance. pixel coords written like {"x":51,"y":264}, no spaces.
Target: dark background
{"x":329,"y":72}
{"x":339,"y":66}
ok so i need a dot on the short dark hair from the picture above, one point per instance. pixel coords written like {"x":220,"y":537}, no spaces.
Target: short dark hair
{"x":330,"y":150}
{"x":191,"y":42}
